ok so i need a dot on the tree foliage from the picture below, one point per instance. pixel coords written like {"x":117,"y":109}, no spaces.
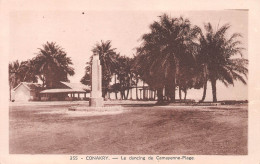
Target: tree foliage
{"x":173,"y":54}
{"x":168,"y":48}
{"x":217,"y":58}
{"x":108,"y":61}
{"x":51,"y":65}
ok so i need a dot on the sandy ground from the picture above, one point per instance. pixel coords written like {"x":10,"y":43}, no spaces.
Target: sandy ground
{"x":49,"y":128}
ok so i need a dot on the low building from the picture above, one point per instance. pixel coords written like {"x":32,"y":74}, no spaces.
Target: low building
{"x":26,"y":92}
{"x":66,"y":91}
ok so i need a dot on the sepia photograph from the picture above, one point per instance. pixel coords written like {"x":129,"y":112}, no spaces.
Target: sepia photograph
{"x":166,"y":82}
{"x":125,"y":84}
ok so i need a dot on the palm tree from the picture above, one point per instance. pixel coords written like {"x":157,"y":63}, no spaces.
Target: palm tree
{"x":216,"y":58}
{"x":136,"y":72}
{"x":14,"y":76}
{"x":27,"y":71}
{"x":53,"y":65}
{"x":163,"y":52}
{"x":86,"y":79}
{"x":186,"y":80}
{"x":108,"y":61}
{"x":124,"y":73}
{"x":21,"y":72}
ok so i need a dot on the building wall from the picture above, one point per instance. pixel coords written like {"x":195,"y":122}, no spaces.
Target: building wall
{"x":22,"y":94}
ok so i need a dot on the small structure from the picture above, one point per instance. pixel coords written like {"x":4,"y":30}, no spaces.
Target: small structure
{"x":26,"y":91}
{"x":96,"y":99}
{"x":66,"y":91}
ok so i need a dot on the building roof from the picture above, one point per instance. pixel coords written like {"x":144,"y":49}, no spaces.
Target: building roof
{"x":76,"y":86}
{"x":72,"y":88}
{"x":29,"y":86}
{"x":63,"y":91}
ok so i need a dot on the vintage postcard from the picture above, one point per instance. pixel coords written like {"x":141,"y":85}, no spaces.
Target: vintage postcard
{"x":138,"y":81}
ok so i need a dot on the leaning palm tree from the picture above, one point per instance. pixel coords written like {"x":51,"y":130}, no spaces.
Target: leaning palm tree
{"x":217,"y":58}
{"x":53,"y":65}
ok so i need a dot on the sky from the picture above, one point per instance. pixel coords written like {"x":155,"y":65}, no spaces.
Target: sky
{"x":78,"y":32}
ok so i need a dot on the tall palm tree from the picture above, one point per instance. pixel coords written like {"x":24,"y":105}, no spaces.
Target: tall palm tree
{"x":53,"y":64}
{"x":164,"y":50}
{"x":108,"y":60}
{"x":217,"y":58}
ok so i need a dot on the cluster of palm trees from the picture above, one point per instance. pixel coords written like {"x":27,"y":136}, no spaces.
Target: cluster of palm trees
{"x":51,"y":65}
{"x":174,"y":54}
{"x":113,"y":64}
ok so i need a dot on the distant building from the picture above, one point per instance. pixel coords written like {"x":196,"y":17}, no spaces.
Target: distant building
{"x":26,"y":91}
{"x":66,"y":91}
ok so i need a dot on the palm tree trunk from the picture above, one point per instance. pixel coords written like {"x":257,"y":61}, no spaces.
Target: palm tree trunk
{"x":131,"y":88}
{"x":205,"y":82}
{"x":121,"y":90}
{"x":180,"y":93}
{"x":115,"y":89}
{"x":173,"y":90}
{"x":214,"y":90}
{"x":204,"y":91}
{"x":127,"y":93}
{"x":170,"y":88}
{"x":116,"y":94}
{"x":136,"y":91}
{"x":160,"y":95}
{"x":185,"y":93}
{"x":121,"y":95}
{"x":131,"y":93}
{"x":175,"y":73}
